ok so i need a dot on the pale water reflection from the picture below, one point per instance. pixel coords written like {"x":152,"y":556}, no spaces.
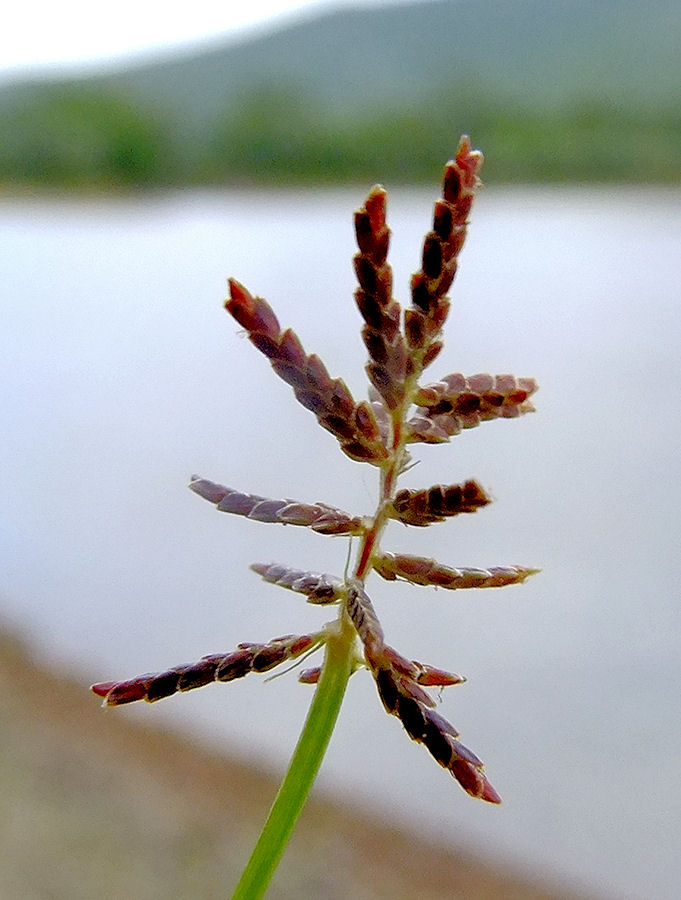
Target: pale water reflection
{"x":122,"y":376}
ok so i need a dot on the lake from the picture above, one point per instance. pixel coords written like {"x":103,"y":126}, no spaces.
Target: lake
{"x":123,"y":376}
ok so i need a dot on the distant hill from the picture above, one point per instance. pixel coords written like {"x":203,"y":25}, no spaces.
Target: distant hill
{"x":561,"y":90}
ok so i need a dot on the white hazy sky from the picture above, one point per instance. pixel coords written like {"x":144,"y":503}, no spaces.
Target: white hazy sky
{"x":45,"y":33}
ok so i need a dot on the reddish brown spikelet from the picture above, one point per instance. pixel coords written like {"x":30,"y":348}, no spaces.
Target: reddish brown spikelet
{"x":420,"y":570}
{"x":420,"y":672}
{"x":398,"y":682}
{"x":310,"y":676}
{"x":361,"y":611}
{"x":215,"y":667}
{"x":429,"y":676}
{"x":482,"y":393}
{"x":317,"y":516}
{"x":441,"y":248}
{"x":388,"y":358}
{"x":329,"y":399}
{"x":252,"y":313}
{"x":458,"y":401}
{"x":319,"y":589}
{"x":436,"y":503}
{"x":119,"y":692}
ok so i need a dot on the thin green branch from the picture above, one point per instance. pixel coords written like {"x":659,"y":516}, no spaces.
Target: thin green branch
{"x":304,"y":764}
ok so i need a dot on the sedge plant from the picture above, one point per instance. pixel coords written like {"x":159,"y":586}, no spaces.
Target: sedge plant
{"x":402,"y":410}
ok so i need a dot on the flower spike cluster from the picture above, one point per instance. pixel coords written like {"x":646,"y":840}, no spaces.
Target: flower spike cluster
{"x":246,"y":658}
{"x":353,"y":424}
{"x":400,"y":411}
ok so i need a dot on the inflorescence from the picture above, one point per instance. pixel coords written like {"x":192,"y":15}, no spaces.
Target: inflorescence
{"x":400,"y":411}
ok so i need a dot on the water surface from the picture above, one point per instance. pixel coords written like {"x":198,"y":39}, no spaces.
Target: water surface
{"x":122,"y":376}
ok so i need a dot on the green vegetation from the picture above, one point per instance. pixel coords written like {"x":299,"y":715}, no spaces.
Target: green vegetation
{"x":558,"y":92}
{"x":276,"y":136}
{"x":87,"y":137}
{"x":84,"y":137}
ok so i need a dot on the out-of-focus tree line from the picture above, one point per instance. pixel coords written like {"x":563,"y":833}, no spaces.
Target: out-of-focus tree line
{"x":86,"y":137}
{"x":553,"y":92}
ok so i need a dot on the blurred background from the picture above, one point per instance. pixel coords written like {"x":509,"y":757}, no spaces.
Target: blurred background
{"x":334,"y":92}
{"x":145,"y":158}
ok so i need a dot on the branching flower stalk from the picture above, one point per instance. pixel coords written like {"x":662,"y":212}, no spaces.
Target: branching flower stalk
{"x":401,"y":410}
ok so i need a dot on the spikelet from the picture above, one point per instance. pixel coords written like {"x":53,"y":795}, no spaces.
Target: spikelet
{"x":319,"y":589}
{"x":436,"y":503}
{"x":381,"y":413}
{"x":317,"y":516}
{"x":248,"y":657}
{"x":423,"y":321}
{"x":363,"y":615}
{"x":458,"y":401}
{"x":399,"y":688}
{"x":352,"y":424}
{"x":419,"y":570}
{"x":388,"y":357}
{"x":419,"y":672}
{"x":310,"y":676}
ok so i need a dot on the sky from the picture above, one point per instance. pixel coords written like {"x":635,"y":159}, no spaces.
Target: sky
{"x":77,"y":32}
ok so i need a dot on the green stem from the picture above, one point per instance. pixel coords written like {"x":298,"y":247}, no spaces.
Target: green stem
{"x":304,"y":764}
